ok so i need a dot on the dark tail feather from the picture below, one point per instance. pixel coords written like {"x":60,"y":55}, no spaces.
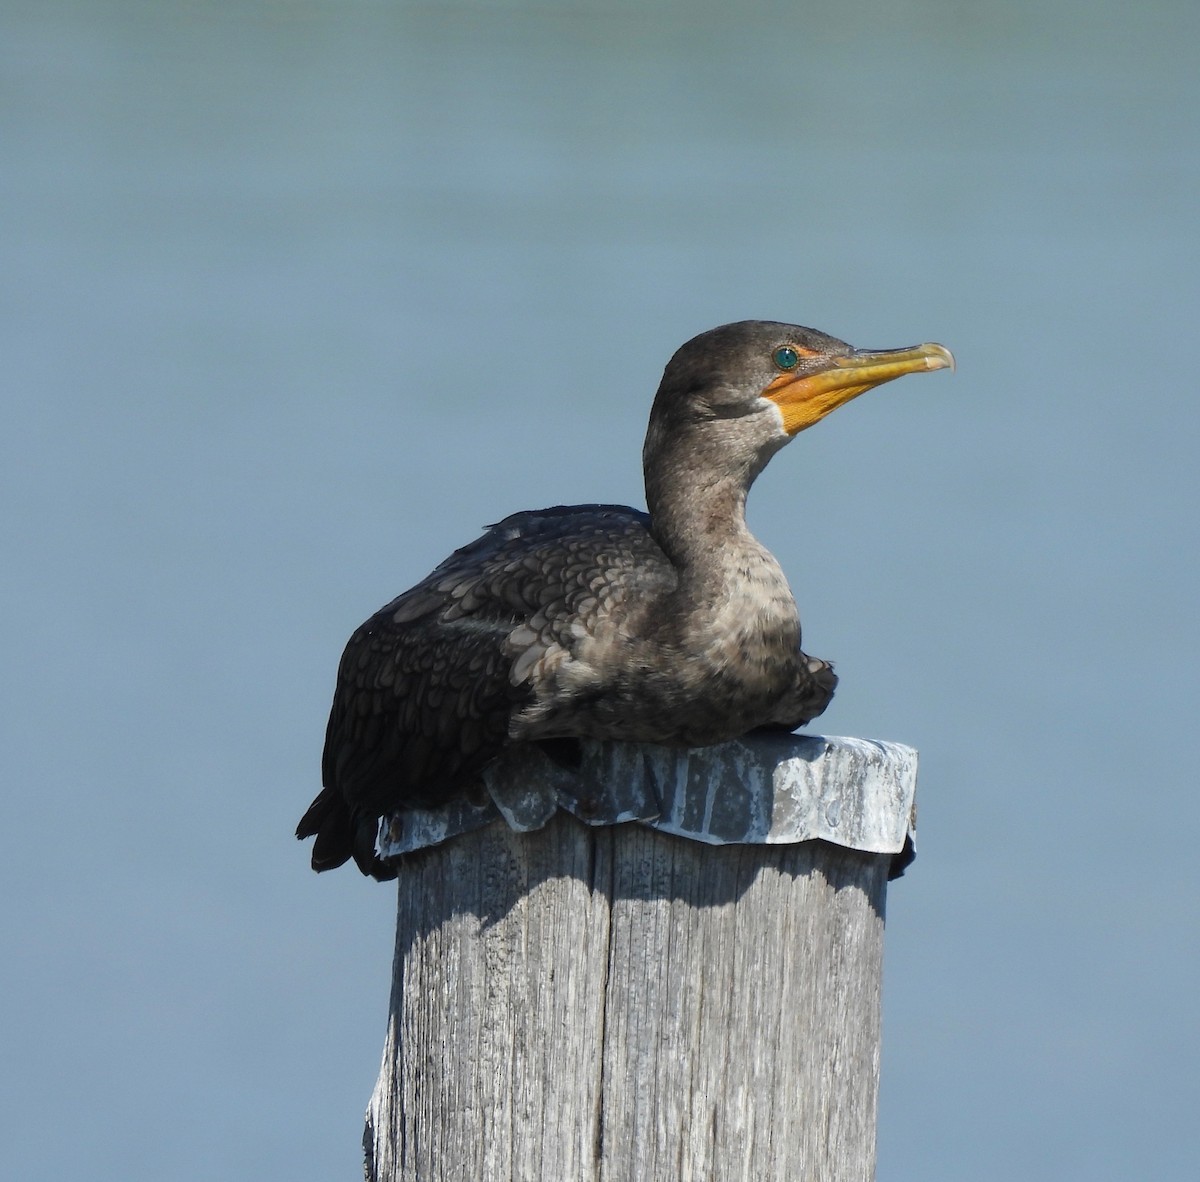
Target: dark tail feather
{"x":328,"y":819}
{"x":313,"y":820}
{"x":340,"y":836}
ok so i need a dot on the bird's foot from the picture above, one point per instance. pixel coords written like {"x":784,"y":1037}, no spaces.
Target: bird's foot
{"x":814,"y":689}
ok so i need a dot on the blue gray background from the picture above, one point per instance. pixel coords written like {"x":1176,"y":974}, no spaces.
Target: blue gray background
{"x":297,"y":295}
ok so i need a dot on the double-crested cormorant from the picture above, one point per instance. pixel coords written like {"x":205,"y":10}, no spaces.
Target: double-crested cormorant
{"x":599,"y":621}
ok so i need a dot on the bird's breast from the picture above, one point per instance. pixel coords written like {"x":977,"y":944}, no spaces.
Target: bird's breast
{"x":697,"y":666}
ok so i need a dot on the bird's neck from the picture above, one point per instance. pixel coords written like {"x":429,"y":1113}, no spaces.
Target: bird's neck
{"x":700,"y":527}
{"x":697,"y":507}
{"x":731,"y":602}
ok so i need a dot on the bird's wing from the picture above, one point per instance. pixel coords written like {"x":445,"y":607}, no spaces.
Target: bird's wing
{"x":427,"y":686}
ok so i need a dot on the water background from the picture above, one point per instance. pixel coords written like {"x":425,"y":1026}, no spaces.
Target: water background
{"x":295,"y":296}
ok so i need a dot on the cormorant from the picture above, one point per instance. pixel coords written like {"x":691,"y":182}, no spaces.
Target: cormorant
{"x":599,"y":621}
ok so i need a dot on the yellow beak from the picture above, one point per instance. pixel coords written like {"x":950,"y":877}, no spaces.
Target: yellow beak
{"x":806,"y":398}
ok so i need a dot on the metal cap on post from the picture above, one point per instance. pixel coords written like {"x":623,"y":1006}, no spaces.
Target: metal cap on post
{"x":692,"y":996}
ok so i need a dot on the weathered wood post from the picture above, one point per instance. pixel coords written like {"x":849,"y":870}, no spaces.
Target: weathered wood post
{"x":692,"y":997}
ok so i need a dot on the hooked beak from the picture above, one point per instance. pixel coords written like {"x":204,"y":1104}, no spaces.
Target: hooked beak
{"x":805,"y":398}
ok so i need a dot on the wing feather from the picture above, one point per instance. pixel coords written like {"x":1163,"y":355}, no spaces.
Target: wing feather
{"x":427,"y":686}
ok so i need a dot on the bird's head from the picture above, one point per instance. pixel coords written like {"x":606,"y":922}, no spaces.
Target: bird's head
{"x":787,"y":376}
{"x":732,"y":397}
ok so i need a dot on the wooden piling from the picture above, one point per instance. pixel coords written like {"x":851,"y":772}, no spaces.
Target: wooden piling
{"x":617,"y":1003}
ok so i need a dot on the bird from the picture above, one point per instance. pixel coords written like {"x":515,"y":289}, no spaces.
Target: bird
{"x":672,"y":625}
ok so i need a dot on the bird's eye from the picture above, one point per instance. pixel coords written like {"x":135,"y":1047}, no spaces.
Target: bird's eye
{"x":786,"y":357}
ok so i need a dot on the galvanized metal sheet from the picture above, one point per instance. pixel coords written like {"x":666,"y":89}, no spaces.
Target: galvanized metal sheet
{"x":762,"y":789}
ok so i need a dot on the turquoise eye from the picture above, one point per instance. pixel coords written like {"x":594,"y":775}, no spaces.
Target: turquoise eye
{"x":786,"y":357}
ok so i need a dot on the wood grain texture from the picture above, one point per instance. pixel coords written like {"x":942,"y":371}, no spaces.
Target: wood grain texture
{"x":622,"y":1005}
